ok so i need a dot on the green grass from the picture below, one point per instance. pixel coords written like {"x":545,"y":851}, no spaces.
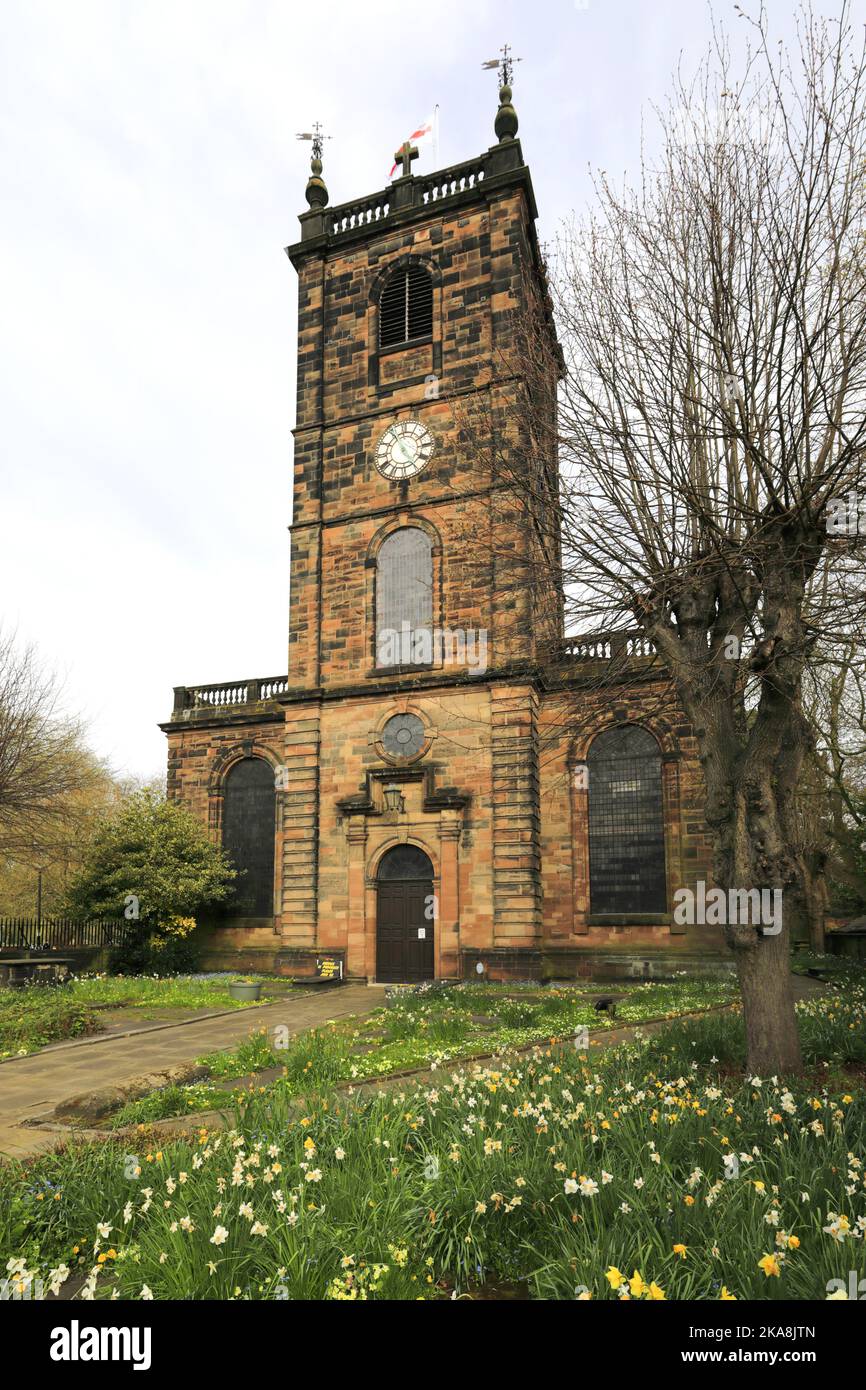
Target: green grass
{"x":429,"y":1030}
{"x":145,"y":992}
{"x":169,"y":1102}
{"x":457,"y":1022}
{"x":841,"y":970}
{"x":255,"y":1053}
{"x":36,"y":1015}
{"x":831,"y":1027}
{"x":554,"y":1169}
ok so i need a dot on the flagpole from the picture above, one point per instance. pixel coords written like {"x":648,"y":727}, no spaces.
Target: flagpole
{"x":436,"y":136}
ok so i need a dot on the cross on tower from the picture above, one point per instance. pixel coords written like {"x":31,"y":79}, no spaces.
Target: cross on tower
{"x":404,"y":156}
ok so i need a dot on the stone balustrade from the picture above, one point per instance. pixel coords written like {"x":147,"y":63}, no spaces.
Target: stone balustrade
{"x":412,"y":196}
{"x":629,"y":645}
{"x":226,"y":696}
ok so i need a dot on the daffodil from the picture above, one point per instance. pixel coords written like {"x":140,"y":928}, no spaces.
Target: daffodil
{"x":636,"y":1285}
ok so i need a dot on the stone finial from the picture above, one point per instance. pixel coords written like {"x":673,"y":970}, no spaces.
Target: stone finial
{"x":505,"y":124}
{"x":316,"y":191}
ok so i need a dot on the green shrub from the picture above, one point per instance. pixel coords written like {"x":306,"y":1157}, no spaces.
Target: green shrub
{"x":154,"y":955}
{"x":156,"y":850}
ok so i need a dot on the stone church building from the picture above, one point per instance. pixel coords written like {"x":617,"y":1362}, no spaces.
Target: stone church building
{"x":443,"y":786}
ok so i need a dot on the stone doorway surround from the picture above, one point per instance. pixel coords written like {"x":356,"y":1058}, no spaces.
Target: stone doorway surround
{"x":429,"y":819}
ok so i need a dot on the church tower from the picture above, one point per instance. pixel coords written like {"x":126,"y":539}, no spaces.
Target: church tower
{"x":411,"y":715}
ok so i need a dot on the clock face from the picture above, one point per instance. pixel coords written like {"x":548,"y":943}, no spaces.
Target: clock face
{"x":404,"y":449}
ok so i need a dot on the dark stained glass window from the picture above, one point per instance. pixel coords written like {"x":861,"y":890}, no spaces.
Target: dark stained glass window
{"x":404,"y":599}
{"x":249,"y":819}
{"x":626,"y":823}
{"x":406,"y":307}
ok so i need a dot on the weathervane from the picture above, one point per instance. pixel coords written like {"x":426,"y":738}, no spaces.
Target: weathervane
{"x":505,"y":124}
{"x":316,"y":191}
{"x":505,"y":64}
{"x":317,"y":138}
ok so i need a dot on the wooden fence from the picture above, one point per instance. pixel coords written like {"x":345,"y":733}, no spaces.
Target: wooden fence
{"x":59,"y":933}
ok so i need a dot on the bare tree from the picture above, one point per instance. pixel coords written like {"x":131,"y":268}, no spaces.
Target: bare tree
{"x":44,"y":764}
{"x":711,"y":433}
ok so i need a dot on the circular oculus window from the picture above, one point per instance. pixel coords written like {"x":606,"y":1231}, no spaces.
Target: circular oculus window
{"x":403,"y":736}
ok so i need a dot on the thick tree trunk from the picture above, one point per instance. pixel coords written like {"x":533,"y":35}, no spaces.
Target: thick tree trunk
{"x":808,"y":909}
{"x":763,"y":858}
{"x":749,"y":800}
{"x":816,"y":902}
{"x":764,"y":974}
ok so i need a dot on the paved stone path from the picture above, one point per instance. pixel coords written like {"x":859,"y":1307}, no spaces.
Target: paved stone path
{"x":30,"y":1087}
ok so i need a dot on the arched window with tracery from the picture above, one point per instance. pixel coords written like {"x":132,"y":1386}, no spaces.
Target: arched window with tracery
{"x":626,"y":824}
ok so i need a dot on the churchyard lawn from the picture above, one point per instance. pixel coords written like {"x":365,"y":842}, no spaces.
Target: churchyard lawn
{"x":652,"y":1169}
{"x":32,"y":1017}
{"x":426,"y":1029}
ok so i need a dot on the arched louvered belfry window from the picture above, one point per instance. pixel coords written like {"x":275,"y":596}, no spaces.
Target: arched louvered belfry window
{"x":406,"y":306}
{"x":404,"y":599}
{"x":249,"y":818}
{"x":626,"y":824}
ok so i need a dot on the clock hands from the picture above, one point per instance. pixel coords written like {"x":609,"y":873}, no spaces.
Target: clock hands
{"x":402,"y":452}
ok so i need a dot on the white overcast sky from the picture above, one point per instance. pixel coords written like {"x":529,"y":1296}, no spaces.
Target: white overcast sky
{"x":149,"y":180}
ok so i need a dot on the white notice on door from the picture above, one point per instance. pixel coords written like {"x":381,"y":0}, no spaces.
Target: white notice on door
{"x":422,"y":933}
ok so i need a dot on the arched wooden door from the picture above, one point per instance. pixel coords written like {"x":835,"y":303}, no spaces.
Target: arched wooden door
{"x":404,"y":920}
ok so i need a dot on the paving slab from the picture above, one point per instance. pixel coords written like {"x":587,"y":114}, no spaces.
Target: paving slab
{"x":31,"y":1086}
